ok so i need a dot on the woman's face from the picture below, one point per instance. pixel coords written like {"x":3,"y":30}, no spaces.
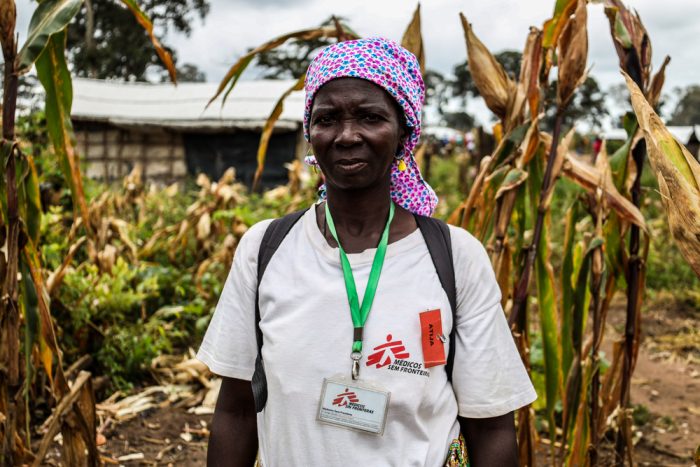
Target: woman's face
{"x":355,"y":131}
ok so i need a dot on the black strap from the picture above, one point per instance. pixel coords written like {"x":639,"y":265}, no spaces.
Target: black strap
{"x":275,"y":233}
{"x":437,"y":237}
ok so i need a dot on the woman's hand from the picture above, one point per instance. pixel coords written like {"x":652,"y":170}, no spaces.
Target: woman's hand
{"x":234,"y":437}
{"x":490,"y":441}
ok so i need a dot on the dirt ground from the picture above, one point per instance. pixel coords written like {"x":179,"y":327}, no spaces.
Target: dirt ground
{"x":666,"y":382}
{"x":665,"y":394}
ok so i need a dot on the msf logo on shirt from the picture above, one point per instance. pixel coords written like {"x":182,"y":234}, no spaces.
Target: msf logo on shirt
{"x":342,"y":399}
{"x":386,"y":351}
{"x":394,"y":356}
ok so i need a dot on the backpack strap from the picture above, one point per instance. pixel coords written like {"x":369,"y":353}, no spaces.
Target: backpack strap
{"x":437,"y":237}
{"x":275,"y":233}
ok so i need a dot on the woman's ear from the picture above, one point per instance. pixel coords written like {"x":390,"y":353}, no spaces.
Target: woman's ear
{"x":404,"y":134}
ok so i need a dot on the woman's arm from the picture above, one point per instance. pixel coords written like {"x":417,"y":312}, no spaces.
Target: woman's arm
{"x":490,"y":441}
{"x":234,"y":437}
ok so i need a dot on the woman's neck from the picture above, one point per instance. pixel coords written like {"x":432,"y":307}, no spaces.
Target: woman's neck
{"x":360,"y":217}
{"x":360,"y":212}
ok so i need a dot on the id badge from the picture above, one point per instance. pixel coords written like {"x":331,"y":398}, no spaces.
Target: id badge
{"x":353,"y":404}
{"x":432,"y":338}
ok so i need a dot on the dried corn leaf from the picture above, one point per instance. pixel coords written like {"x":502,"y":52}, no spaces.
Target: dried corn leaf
{"x":530,"y":70}
{"x":631,"y":41}
{"x":489,"y":76}
{"x":234,"y":73}
{"x":588,"y":177}
{"x":678,"y":174}
{"x":657,"y":83}
{"x":412,"y":39}
{"x":572,"y":54}
{"x":266,"y":133}
{"x":147,"y":24}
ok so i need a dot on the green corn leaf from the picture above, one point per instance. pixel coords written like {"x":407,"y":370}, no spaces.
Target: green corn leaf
{"x":580,"y":431}
{"x":512,"y":141}
{"x":513,"y":179}
{"x":55,"y":78}
{"x":484,"y":218}
{"x":50,"y":17}
{"x":553,"y":27}
{"x":572,"y":400}
{"x":243,"y":64}
{"x":621,"y":32}
{"x":619,"y":163}
{"x":568,"y":271}
{"x":33,"y":201}
{"x":547,"y":303}
{"x":30,"y":302}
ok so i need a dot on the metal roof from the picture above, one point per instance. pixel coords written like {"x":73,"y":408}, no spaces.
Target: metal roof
{"x":183,"y":106}
{"x":681,"y":133}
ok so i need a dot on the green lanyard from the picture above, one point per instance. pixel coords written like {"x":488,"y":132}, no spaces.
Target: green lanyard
{"x":359,"y":312}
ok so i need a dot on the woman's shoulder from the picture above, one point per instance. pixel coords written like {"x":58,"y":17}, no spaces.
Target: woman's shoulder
{"x":466,"y":247}
{"x":477,"y":288}
{"x":249,"y":243}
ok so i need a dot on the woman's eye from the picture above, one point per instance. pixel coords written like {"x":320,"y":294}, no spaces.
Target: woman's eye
{"x":324,"y":120}
{"x":372,"y":118}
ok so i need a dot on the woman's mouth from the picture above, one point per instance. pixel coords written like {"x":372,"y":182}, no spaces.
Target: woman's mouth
{"x":351,"y":165}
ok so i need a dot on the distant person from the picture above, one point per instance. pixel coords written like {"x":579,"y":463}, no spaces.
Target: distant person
{"x":361,"y":363}
{"x":597,"y":145}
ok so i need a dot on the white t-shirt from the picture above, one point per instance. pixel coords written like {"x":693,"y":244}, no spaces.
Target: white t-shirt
{"x":308,"y":333}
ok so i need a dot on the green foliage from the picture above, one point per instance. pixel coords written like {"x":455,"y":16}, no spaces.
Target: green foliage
{"x":101,"y":51}
{"x":687,"y":111}
{"x":126,"y":311}
{"x":587,"y":105}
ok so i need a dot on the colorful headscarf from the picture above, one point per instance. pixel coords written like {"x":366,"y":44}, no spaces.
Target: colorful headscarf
{"x":386,"y":64}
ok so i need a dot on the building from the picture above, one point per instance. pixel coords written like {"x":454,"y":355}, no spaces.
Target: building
{"x":171,"y":132}
{"x":689,"y":136}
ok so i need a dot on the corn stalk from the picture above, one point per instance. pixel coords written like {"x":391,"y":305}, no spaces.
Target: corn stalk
{"x":9,"y":306}
{"x":508,"y":208}
{"x":25,"y":300}
{"x":633,"y":47}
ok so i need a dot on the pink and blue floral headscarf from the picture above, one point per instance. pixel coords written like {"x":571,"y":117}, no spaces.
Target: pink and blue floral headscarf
{"x":386,"y":64}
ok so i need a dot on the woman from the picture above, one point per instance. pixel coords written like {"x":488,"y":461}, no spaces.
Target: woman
{"x":391,"y":403}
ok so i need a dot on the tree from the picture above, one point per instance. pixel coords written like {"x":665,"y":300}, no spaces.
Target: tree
{"x":463,"y":84}
{"x":687,"y":111}
{"x":106,"y":42}
{"x":587,"y":105}
{"x":459,"y":120}
{"x":436,"y":90}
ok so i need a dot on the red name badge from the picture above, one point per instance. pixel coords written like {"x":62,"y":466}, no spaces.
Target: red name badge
{"x":431,"y":337}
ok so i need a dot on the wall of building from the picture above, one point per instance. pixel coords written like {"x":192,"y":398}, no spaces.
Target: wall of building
{"x":110,"y":153}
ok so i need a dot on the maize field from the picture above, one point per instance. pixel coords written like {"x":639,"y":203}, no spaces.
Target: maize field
{"x":122,"y":280}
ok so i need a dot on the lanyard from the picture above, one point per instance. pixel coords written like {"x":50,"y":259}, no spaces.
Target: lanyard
{"x":359,"y":312}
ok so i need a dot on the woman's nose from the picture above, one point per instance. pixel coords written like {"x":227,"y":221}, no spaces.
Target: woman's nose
{"x":348,"y":132}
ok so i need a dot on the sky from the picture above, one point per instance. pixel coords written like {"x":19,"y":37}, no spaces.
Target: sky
{"x":233,"y":26}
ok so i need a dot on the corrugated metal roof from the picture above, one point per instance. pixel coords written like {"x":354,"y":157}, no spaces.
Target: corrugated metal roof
{"x":183,"y":106}
{"x":681,"y":133}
